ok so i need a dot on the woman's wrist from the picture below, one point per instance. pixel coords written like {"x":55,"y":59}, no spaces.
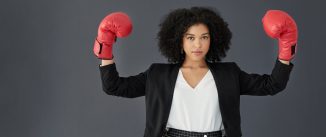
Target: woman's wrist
{"x":284,"y":62}
{"x":106,"y":62}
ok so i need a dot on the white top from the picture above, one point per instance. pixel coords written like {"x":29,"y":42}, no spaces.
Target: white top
{"x":195,"y":109}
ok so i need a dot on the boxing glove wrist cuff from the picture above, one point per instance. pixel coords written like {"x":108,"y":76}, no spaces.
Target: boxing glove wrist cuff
{"x":108,"y":58}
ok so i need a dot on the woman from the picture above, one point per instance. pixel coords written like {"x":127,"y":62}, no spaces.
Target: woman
{"x":194,"y":94}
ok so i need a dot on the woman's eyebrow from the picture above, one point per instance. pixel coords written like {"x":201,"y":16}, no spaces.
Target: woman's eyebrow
{"x":194,"y":34}
{"x":189,"y":34}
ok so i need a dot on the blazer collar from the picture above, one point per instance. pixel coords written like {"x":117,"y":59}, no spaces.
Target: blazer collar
{"x":209,"y":64}
{"x":218,"y":76}
{"x":216,"y":69}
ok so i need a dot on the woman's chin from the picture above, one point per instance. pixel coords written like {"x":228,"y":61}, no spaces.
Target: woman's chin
{"x":197,"y":58}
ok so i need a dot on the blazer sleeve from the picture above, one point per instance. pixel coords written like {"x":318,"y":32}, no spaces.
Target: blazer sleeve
{"x":129,"y":87}
{"x":260,"y":85}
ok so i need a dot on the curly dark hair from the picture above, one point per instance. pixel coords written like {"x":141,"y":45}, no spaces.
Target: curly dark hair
{"x":177,"y":22}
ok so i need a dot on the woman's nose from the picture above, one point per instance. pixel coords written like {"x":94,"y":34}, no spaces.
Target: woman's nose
{"x":198,"y":44}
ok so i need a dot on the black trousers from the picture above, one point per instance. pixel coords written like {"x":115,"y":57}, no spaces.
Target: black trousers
{"x":172,"y":132}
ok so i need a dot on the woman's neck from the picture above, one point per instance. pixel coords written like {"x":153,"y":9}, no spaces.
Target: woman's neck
{"x":194,"y":64}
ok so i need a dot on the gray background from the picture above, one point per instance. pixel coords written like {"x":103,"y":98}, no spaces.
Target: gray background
{"x":50,"y":82}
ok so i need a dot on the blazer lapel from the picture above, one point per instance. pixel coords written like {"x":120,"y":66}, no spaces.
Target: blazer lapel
{"x":172,"y":78}
{"x":219,"y":75}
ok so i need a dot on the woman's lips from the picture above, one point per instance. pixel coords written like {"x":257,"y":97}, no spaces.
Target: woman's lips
{"x":197,"y":52}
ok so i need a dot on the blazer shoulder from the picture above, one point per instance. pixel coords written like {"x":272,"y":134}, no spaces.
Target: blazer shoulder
{"x":226,"y":65}
{"x":221,"y":65}
{"x":162,"y":65}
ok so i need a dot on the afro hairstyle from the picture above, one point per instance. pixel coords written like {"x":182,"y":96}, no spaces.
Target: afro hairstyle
{"x":177,"y":22}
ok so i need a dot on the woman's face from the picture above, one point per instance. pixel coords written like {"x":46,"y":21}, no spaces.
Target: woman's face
{"x":196,"y":42}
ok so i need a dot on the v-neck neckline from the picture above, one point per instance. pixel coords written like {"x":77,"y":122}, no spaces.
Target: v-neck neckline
{"x":202,"y":79}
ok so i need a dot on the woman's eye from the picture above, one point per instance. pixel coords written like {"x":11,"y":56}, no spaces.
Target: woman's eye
{"x":190,"y":38}
{"x":205,"y":37}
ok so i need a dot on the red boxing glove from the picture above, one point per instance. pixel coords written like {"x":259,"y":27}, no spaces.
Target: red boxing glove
{"x":278,"y":24}
{"x":114,"y":25}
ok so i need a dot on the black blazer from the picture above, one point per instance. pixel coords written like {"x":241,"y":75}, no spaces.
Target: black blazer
{"x":158,"y":81}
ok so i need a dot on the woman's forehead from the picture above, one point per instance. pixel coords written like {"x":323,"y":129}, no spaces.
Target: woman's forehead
{"x":197,"y":29}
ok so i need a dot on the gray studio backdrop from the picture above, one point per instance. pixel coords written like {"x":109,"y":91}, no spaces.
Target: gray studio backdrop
{"x":50,"y":81}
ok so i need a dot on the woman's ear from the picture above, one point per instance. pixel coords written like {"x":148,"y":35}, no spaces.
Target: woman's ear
{"x":181,"y":47}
